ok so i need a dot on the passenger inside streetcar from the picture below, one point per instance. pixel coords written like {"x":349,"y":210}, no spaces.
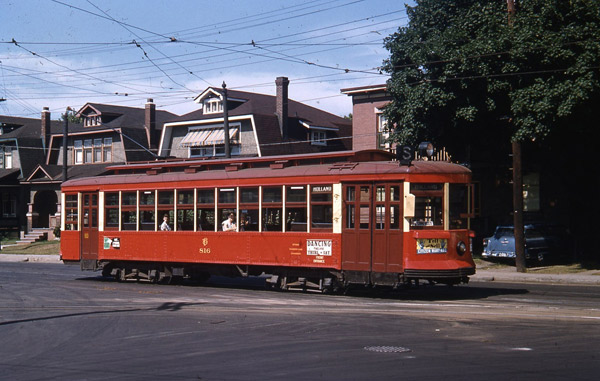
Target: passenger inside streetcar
{"x":165,"y":225}
{"x":229,"y":224}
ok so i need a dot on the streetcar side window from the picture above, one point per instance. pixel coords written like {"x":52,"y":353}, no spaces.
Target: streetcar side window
{"x":71,"y":212}
{"x":272,"y":209}
{"x":111,"y":210}
{"x":185,"y":210}
{"x":395,"y":205}
{"x":206,"y":209}
{"x":295,"y":208}
{"x":147,"y":215}
{"x":166,"y":204}
{"x":321,"y":208}
{"x":249,"y":209}
{"x":129,"y":211}
{"x":227,"y":203}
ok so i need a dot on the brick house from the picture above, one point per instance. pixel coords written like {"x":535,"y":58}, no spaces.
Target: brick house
{"x":368,"y":122}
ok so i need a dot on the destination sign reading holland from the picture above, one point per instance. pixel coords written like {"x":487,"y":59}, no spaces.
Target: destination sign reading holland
{"x":322,"y":189}
{"x":318,"y":247}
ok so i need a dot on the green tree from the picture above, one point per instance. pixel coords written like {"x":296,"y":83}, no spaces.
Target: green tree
{"x":459,"y":70}
{"x":71,"y":116}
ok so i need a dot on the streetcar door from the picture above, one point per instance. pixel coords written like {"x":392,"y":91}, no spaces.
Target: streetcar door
{"x":387,"y":228}
{"x":357,"y":227}
{"x":372,"y":227}
{"x":89,"y":231}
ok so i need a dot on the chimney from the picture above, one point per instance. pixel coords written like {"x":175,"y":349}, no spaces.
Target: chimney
{"x":281,"y":108}
{"x":45,"y":132}
{"x":150,"y":124}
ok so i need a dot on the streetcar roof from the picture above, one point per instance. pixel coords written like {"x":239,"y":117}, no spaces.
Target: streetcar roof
{"x":358,"y":166}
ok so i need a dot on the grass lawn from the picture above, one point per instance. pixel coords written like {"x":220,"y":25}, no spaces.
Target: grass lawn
{"x":39,"y":248}
{"x":572,"y":268}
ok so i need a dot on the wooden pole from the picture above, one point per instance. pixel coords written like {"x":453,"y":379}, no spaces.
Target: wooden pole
{"x":226,"y":122}
{"x":520,"y":263}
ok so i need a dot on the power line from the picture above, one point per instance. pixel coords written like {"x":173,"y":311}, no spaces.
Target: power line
{"x":171,"y":39}
{"x":371,"y":17}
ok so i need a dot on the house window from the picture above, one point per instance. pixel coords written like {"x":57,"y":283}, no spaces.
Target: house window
{"x":214,"y":150}
{"x":213,"y":106}
{"x":107,"y":149}
{"x":382,"y":132}
{"x":318,"y":138}
{"x":97,"y":150}
{"x":87,"y":150}
{"x":9,"y":205}
{"x":6,"y":158}
{"x":93,"y":151}
{"x":92,"y":121}
{"x":78,"y":152}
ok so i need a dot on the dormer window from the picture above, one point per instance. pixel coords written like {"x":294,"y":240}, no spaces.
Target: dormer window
{"x":213,"y":106}
{"x":92,"y":120}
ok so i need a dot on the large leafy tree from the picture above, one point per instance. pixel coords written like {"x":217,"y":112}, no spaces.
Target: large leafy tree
{"x":460,"y":69}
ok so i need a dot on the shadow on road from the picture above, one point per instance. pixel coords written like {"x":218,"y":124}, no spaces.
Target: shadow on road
{"x":425,"y":292}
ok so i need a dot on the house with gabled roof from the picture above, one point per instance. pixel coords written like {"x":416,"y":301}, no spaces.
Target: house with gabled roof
{"x":259,"y":125}
{"x":22,"y":147}
{"x":33,"y":162}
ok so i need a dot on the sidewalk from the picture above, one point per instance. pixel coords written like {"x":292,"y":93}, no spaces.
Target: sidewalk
{"x":511,"y":275}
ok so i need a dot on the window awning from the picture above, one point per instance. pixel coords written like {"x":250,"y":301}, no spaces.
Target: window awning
{"x":209,"y":137}
{"x":218,"y":136}
{"x":196,"y":138}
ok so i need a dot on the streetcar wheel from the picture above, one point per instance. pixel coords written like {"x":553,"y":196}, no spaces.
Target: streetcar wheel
{"x":155,"y":277}
{"x":120,"y":275}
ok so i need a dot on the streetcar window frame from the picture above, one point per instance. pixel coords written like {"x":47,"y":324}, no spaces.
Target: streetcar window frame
{"x":267,"y":208}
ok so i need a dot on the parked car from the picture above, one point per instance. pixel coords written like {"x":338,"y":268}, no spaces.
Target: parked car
{"x":541,"y":245}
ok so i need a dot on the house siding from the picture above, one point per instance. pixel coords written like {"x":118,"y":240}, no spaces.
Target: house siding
{"x":247,"y":138}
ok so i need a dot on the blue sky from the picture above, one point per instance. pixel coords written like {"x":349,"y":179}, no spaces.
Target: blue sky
{"x":69,"y":52}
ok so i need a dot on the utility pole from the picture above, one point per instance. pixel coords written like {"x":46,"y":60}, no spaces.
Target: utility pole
{"x":226,"y":121}
{"x":517,"y":184}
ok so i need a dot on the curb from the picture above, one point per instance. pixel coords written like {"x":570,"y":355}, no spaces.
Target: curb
{"x":565,"y":279}
{"x":48,"y":258}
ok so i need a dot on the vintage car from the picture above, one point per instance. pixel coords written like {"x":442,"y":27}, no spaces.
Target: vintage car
{"x":540,"y":246}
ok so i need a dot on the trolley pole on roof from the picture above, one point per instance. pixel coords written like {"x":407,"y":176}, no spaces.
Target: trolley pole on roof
{"x":226,"y":122}
{"x":517,"y":184}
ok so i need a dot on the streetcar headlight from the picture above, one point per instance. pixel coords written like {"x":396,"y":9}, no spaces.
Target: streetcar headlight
{"x":461,"y":248}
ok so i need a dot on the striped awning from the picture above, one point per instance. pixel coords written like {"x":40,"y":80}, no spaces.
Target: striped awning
{"x":209,"y":137}
{"x":218,"y":136}
{"x":196,"y":138}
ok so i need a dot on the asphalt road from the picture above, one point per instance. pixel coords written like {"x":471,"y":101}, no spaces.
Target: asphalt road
{"x":57,"y":322}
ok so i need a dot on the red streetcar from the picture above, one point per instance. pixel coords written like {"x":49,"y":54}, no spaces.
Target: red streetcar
{"x":316,"y":221}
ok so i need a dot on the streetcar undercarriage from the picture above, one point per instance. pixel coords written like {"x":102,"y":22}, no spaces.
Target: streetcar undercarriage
{"x":277,"y":278}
